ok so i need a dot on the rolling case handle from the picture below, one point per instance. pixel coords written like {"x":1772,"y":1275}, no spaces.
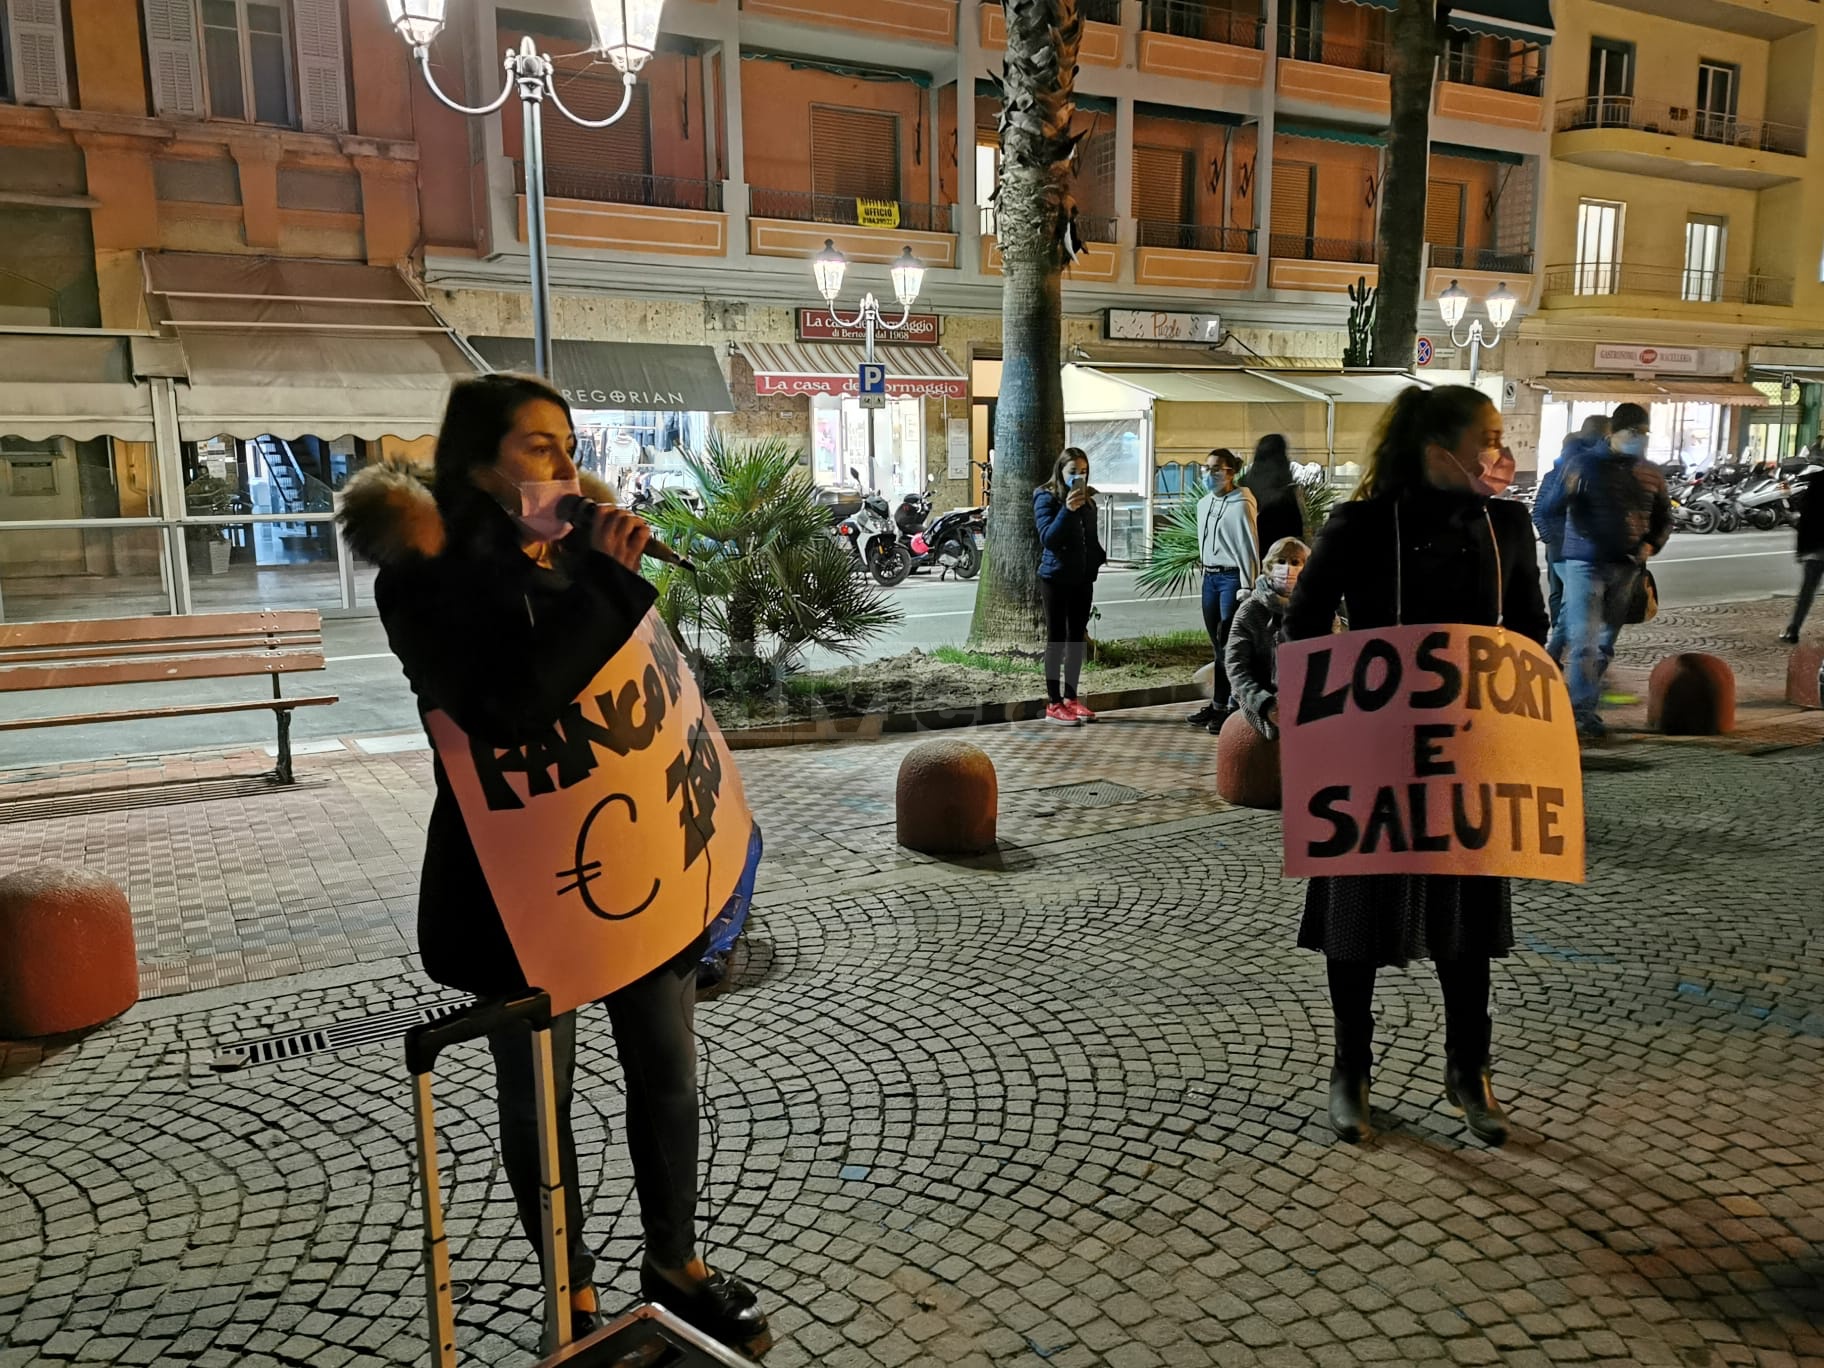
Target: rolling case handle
{"x":422,"y":1046}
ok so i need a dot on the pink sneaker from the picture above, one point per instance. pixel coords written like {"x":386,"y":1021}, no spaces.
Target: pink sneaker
{"x":1083,"y":713}
{"x":1064,"y":713}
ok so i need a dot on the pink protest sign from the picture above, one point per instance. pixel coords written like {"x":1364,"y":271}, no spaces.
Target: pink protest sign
{"x":1428,"y":750}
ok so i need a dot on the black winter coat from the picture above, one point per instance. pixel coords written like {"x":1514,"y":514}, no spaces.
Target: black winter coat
{"x":1070,"y":551}
{"x":499,"y":643}
{"x":1447,"y":565}
{"x":1809,"y":505}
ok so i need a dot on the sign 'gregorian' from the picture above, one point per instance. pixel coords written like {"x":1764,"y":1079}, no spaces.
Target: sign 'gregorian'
{"x":611,"y":841}
{"x":1428,"y":750}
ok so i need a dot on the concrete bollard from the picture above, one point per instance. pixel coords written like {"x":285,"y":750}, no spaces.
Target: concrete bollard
{"x":67,"y":960}
{"x":1805,"y":676}
{"x":1247,"y":765}
{"x":947,"y":800}
{"x":1691,"y":694}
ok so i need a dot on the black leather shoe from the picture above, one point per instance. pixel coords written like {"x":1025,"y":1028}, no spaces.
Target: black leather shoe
{"x":1349,"y":1116}
{"x":1474,"y":1096}
{"x":722,"y":1307}
{"x":1789,"y":637}
{"x":582,"y":1325}
{"x":1205,"y":715}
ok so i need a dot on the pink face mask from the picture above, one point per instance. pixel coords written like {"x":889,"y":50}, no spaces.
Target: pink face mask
{"x":539,"y":501}
{"x":1492,"y":473}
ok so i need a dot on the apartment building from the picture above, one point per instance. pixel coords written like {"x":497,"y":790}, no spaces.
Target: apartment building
{"x":248,"y":248}
{"x":1682,"y":243}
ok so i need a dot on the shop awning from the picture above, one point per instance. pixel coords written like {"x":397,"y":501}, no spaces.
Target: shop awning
{"x":1528,"y":21}
{"x":1595,"y":390}
{"x":303,"y":348}
{"x":1202,"y":386}
{"x":1376,"y":389}
{"x":1361,"y":137}
{"x":643,"y":376}
{"x":75,"y":387}
{"x":831,"y":368}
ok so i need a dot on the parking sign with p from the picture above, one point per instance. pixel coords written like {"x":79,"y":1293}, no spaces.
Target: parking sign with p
{"x":871,"y":384}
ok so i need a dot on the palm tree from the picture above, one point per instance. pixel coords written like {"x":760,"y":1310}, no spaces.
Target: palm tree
{"x":1414,"y":41}
{"x":770,"y":582}
{"x":1034,"y":215}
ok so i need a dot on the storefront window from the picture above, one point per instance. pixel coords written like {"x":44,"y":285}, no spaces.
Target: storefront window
{"x":1116,"y":451}
{"x":839,"y":444}
{"x":614,"y":443}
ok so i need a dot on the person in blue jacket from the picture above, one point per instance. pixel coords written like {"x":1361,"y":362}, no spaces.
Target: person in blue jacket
{"x":1070,"y":556}
{"x":1592,"y":436}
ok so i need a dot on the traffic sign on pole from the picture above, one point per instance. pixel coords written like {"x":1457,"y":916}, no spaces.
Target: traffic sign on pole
{"x":1424,"y":350}
{"x":871,"y":384}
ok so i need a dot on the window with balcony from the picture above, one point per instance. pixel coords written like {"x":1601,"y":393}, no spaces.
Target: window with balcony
{"x":1294,"y":209}
{"x":854,"y":154}
{"x":1235,"y":22}
{"x":612,"y":164}
{"x":33,"y":68}
{"x":1444,"y":201}
{"x":1718,"y":85}
{"x":247,"y":61}
{"x":1611,"y":84}
{"x":1163,"y":197}
{"x":1304,"y":21}
{"x":1705,"y":238}
{"x":1597,"y":270}
{"x":987,"y":181}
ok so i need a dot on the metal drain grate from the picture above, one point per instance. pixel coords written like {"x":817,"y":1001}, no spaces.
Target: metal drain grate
{"x":338,"y":1035}
{"x":1094,"y":793}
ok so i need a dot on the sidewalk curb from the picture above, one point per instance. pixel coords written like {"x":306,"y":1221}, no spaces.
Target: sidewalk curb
{"x":867,"y":726}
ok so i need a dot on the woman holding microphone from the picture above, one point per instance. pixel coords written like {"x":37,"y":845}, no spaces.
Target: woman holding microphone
{"x":501,"y":612}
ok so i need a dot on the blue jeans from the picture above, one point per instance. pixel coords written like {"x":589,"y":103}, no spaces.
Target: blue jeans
{"x":1554,"y":607}
{"x":1220,"y":590}
{"x":1595,"y":601}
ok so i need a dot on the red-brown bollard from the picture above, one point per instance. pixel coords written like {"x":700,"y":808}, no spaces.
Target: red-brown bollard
{"x":66,"y":952}
{"x":1692,"y":694}
{"x":948,"y":799}
{"x":1247,"y":765}
{"x":1805,"y":676}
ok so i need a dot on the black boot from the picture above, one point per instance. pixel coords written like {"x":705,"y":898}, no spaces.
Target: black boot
{"x":1352,"y":1004}
{"x":1468,"y":1090}
{"x":722,"y":1307}
{"x":1349,"y":1113}
{"x":1467,"y":1030}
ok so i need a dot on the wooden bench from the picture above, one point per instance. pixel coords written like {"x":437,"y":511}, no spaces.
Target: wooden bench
{"x":159,"y":650}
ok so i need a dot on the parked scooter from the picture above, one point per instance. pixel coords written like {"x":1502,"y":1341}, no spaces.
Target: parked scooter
{"x":873,"y":541}
{"x":949,"y":543}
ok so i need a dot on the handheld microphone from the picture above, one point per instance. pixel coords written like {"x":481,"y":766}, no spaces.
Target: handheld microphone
{"x":582,"y":512}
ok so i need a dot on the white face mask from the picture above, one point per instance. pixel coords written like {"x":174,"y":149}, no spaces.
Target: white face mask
{"x":1630,"y":443}
{"x":1282,"y":577}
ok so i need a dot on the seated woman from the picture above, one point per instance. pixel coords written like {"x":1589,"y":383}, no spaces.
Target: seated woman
{"x":1254,"y":635}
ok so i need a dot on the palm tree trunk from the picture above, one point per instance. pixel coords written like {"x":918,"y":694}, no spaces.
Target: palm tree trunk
{"x":1413,"y":45}
{"x":1033,"y":207}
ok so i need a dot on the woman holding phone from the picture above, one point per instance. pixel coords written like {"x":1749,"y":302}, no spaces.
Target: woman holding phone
{"x":1070,"y":556}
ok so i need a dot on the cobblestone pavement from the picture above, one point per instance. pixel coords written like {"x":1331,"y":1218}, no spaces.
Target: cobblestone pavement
{"x":1061,"y":1106}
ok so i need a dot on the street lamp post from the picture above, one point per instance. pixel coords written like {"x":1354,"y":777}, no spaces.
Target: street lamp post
{"x":1455,"y":301}
{"x":908,"y":278}
{"x":626,"y":31}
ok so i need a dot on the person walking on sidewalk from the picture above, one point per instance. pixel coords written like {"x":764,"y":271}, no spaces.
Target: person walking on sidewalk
{"x":1616,"y":515}
{"x":1809,"y":505}
{"x":1420,"y":542}
{"x":501,"y":613}
{"x":1593,"y":434}
{"x":1228,"y":547}
{"x":1279,"y":501}
{"x":1253,"y":647}
{"x":1070,"y":558}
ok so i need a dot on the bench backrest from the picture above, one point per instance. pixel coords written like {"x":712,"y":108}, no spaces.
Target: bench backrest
{"x":145,"y":650}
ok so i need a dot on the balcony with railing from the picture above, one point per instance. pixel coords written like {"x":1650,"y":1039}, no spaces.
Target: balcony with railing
{"x":1330,"y":265}
{"x":1098,"y":262}
{"x":1101,"y":43}
{"x":626,"y":212}
{"x":1644,"y":137}
{"x":1593,"y":284}
{"x":1507,"y":91}
{"x":1341,"y":73}
{"x":1486,"y":260}
{"x":1203,"y":40}
{"x":796,"y":222}
{"x":915,"y":21}
{"x":1203,"y":256}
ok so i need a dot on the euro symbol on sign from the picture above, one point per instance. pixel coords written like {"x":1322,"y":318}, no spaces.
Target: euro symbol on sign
{"x":586,"y":871}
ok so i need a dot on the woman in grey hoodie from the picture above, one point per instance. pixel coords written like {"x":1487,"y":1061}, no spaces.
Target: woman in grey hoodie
{"x":1254,"y":636}
{"x":1228,"y":548}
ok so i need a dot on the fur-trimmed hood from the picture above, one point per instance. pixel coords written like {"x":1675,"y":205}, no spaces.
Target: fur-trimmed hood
{"x":390,"y":515}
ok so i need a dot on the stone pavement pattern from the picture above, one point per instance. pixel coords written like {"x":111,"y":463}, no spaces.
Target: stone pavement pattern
{"x":1060,"y":1106}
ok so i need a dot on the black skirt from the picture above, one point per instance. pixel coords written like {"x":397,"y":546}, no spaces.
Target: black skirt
{"x":1392,"y":919}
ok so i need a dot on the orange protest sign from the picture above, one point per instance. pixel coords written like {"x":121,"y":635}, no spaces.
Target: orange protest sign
{"x":1428,"y":750}
{"x":610,"y":842}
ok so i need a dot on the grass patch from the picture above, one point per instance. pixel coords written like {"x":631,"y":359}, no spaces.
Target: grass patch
{"x":981,"y":660}
{"x":1166,"y":650}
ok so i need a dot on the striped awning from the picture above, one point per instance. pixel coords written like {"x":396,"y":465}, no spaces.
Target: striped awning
{"x":1525,"y":21}
{"x":1655,"y":391}
{"x":831,"y":368}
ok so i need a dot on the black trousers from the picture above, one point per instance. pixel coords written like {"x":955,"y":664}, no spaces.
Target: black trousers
{"x":654,"y":1035}
{"x":1067,"y":607}
{"x":1466,"y":1023}
{"x":1808,"y":590}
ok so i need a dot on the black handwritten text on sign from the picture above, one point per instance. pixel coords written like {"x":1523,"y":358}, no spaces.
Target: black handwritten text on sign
{"x":1428,"y":750}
